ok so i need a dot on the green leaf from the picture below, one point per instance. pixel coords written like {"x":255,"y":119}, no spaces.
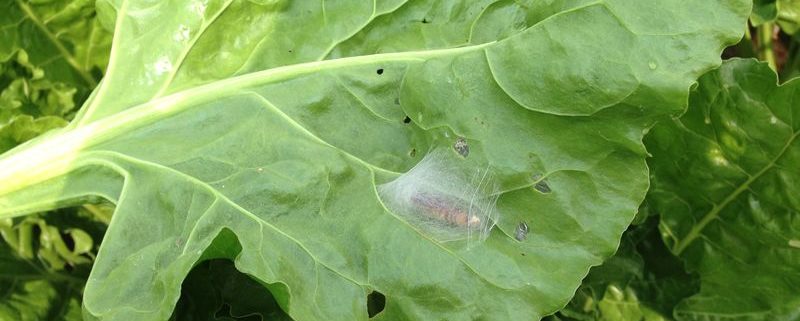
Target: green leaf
{"x":789,"y":15}
{"x":222,"y":116}
{"x":615,"y":304}
{"x":52,"y":55}
{"x":30,"y":104}
{"x":763,"y":11}
{"x":725,"y":183}
{"x":61,"y":36}
{"x":642,"y":278}
{"x":44,"y":265}
{"x":785,"y":12}
{"x":31,"y":293}
{"x":61,"y":241}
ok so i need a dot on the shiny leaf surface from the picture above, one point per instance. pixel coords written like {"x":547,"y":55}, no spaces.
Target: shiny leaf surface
{"x":725,"y":183}
{"x":225,"y":117}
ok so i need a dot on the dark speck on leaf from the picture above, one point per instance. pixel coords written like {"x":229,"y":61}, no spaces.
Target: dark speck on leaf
{"x":406,"y":120}
{"x":543,"y":187}
{"x":397,"y":101}
{"x":380,"y":71}
{"x":413,"y":152}
{"x":425,"y":20}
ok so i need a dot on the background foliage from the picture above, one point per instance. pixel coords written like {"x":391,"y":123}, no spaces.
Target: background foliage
{"x":721,"y":179}
{"x":52,"y":54}
{"x":717,"y":236}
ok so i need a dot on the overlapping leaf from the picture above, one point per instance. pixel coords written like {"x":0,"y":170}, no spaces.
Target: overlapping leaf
{"x":785,"y":12}
{"x":642,"y":281}
{"x":725,"y":183}
{"x":223,"y":116}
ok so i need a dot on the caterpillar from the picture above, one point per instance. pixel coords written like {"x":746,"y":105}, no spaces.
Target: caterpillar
{"x":445,"y":210}
{"x":444,"y":196}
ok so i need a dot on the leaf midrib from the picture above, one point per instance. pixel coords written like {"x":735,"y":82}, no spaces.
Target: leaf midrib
{"x":222,"y":197}
{"x":50,"y":157}
{"x":35,"y":162}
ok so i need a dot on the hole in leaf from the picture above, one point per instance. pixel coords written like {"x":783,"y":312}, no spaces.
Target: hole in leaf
{"x":376,"y":302}
{"x":216,"y":290}
{"x":380,"y":71}
{"x":541,"y":184}
{"x":522,"y":232}
{"x":542,"y":187}
{"x":406,"y":120}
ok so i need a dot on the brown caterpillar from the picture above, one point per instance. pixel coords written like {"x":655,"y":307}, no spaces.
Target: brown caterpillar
{"x":448,"y":211}
{"x":445,"y":197}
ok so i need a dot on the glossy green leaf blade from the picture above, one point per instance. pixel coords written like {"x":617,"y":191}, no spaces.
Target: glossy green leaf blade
{"x":288,"y":158}
{"x":789,"y":16}
{"x":725,"y":184}
{"x":785,"y":12}
{"x":764,"y":11}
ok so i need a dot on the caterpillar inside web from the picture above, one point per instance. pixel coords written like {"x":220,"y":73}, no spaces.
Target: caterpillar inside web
{"x":444,"y":197}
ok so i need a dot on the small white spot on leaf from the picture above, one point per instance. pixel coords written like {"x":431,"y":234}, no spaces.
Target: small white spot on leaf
{"x":716,"y":157}
{"x":182,"y":34}
{"x":522,"y":232}
{"x":162,"y":65}
{"x":199,"y":7}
